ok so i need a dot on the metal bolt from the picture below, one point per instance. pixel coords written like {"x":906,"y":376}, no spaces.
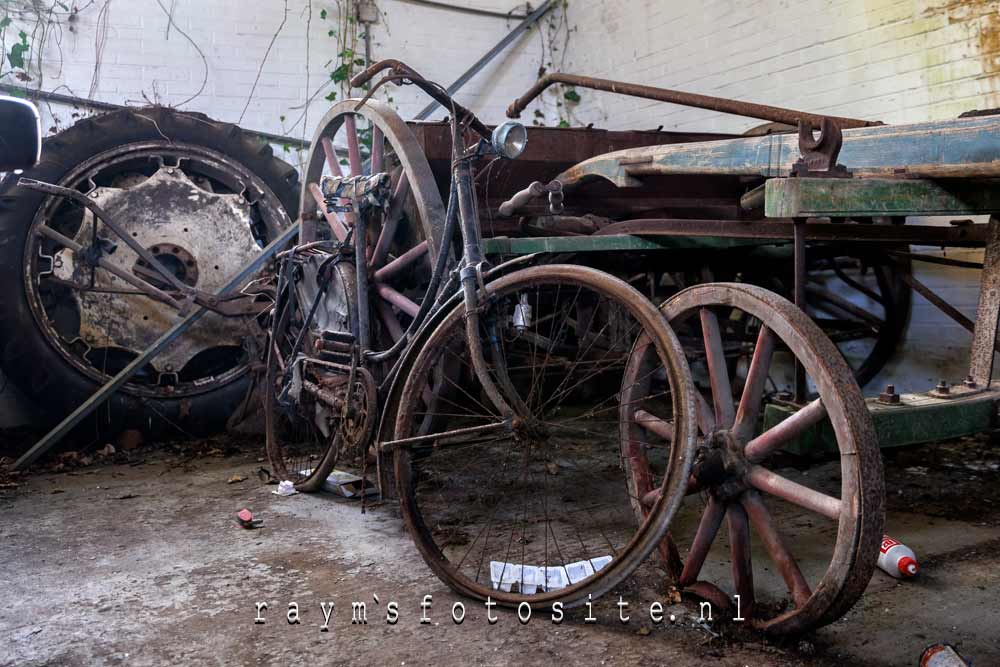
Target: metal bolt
{"x":942,"y":387}
{"x":889,"y":396}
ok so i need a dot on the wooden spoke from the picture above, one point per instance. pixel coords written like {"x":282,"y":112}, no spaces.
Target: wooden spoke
{"x":378,"y":150}
{"x":392,"y":218}
{"x":770,"y":440}
{"x":654,"y":424}
{"x":771,"y":482}
{"x":401,"y":263}
{"x":715,"y":359}
{"x":338,"y":226}
{"x":353,"y":147}
{"x":711,"y":519}
{"x":397,"y":299}
{"x":739,"y":549}
{"x":389,"y":319}
{"x":706,"y":417}
{"x":763,"y":524}
{"x":753,"y":388}
{"x":331,"y":157}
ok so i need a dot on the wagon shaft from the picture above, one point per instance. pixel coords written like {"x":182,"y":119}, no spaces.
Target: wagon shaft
{"x":967,"y":147}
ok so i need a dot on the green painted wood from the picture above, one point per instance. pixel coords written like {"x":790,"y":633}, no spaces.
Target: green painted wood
{"x":918,"y":419}
{"x":609,"y":243}
{"x":844,"y":197}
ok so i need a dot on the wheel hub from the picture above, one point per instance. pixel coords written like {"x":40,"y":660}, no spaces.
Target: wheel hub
{"x":720,"y":465}
{"x":203,"y":237}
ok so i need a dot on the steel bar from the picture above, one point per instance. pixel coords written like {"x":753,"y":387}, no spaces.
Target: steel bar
{"x":100,"y":215}
{"x":469,"y":430}
{"x":490,"y":55}
{"x":721,"y":104}
{"x":941,"y":304}
{"x":801,"y":276}
{"x":143,"y":286}
{"x":770,"y":482}
{"x":123,"y":376}
{"x":984,"y":337}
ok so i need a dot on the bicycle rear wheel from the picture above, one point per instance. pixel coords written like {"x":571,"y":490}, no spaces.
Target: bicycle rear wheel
{"x":537,"y":507}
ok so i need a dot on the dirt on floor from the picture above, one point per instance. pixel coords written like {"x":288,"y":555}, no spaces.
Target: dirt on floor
{"x":134,"y":557}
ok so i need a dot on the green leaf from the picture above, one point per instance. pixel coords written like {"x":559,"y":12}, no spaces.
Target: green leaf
{"x":331,"y":33}
{"x":16,"y":55}
{"x":564,"y":123}
{"x":4,"y":22}
{"x":331,"y":97}
{"x":322,"y":14}
{"x":282,"y":118}
{"x":571,"y":95}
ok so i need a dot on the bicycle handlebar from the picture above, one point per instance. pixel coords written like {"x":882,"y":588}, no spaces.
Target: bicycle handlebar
{"x":435,"y":91}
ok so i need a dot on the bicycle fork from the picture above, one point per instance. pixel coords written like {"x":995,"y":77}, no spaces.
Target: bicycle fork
{"x":471,"y":280}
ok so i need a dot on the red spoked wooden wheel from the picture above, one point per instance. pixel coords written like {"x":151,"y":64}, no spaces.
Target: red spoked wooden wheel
{"x":784,"y":587}
{"x":403,"y":239}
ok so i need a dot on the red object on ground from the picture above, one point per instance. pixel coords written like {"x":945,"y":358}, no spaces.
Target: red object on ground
{"x":897,"y":559}
{"x":245,"y":518}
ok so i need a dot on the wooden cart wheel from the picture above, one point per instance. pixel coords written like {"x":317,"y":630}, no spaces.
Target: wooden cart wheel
{"x":403,"y":242}
{"x":732,"y":480}
{"x":483,"y":495}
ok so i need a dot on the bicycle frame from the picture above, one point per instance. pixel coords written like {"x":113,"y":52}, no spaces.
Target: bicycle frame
{"x":462,"y":209}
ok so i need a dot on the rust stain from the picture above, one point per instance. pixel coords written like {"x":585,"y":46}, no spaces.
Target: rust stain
{"x":984,"y":15}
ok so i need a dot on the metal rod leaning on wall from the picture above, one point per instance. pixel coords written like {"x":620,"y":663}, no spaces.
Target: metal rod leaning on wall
{"x":115,"y":383}
{"x":724,"y":105}
{"x":533,"y":18}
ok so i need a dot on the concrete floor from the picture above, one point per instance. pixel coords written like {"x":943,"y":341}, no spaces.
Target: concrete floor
{"x":142,"y":564}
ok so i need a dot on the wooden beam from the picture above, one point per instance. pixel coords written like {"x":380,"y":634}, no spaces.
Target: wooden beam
{"x":867,"y":197}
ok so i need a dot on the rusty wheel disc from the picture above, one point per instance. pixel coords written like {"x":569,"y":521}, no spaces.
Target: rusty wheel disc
{"x":735,"y":478}
{"x":536,"y":508}
{"x":403,"y":240}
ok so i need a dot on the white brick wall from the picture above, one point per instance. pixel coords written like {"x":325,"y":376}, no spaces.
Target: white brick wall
{"x":141,"y":62}
{"x":892,"y":60}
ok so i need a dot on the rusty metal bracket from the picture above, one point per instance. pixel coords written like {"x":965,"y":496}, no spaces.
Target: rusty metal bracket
{"x":819,"y":154}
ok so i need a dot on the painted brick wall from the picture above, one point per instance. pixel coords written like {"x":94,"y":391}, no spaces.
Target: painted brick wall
{"x":895,"y":61}
{"x":142,"y":60}
{"x":892,"y":60}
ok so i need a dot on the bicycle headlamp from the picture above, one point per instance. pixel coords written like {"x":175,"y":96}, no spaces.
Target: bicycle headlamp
{"x":510,"y":139}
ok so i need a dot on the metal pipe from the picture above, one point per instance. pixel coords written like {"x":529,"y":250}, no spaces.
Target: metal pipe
{"x":735,"y":107}
{"x":490,"y":55}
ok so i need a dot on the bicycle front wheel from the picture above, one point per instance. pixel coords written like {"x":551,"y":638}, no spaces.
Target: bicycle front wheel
{"x":536,"y":507}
